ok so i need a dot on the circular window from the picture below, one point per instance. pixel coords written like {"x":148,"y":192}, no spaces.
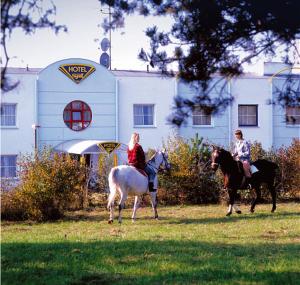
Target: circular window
{"x":77,"y":115}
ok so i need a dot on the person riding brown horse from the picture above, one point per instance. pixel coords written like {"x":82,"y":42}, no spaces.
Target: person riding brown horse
{"x":233,"y":177}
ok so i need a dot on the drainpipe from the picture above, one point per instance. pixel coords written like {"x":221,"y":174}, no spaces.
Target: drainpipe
{"x":117,"y":110}
{"x":229,"y":114}
{"x":36,"y":125}
{"x":271,"y":114}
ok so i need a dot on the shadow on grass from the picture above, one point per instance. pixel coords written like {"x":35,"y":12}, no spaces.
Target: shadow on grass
{"x":149,"y":262}
{"x":104,"y":215}
{"x":233,"y":218}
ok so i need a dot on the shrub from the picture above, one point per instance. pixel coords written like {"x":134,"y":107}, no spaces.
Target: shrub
{"x":289,"y":166}
{"x":190,"y":180}
{"x":50,"y":184}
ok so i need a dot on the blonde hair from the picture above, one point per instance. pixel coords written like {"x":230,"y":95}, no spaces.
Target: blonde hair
{"x":135,"y":138}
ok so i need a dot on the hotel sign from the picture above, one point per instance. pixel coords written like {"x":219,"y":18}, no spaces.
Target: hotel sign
{"x":77,"y":72}
{"x":109,"y":147}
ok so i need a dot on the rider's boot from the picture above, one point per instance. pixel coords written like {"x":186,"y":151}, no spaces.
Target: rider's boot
{"x":151,"y":186}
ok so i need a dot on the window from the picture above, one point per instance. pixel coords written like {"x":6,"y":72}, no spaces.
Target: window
{"x":143,"y":115}
{"x":247,"y":115}
{"x":8,"y":166}
{"x":200,"y":118}
{"x":8,"y":114}
{"x":293,"y":115}
{"x":77,"y":115}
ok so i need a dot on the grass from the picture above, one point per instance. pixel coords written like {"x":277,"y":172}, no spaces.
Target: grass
{"x":188,"y":245}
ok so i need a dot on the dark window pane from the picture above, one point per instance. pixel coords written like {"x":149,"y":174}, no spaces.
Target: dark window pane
{"x":87,"y":116}
{"x":76,"y":116}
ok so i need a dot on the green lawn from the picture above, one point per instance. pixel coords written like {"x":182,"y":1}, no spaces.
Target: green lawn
{"x":188,"y":245}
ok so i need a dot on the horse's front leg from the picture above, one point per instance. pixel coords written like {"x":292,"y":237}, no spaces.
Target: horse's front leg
{"x":137,"y":201}
{"x":232,"y":194}
{"x":237,"y":209}
{"x":154,"y":203}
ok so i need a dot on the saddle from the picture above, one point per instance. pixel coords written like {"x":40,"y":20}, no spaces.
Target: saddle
{"x":143,"y":172}
{"x":245,"y":183}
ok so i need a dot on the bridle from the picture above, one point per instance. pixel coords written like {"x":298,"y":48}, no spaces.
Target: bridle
{"x":215,"y":164}
{"x":167,"y":164}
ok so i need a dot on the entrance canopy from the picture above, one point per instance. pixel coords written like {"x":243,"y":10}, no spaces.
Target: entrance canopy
{"x":90,"y":147}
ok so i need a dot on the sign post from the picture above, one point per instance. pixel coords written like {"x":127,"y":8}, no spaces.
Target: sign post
{"x":109,"y":147}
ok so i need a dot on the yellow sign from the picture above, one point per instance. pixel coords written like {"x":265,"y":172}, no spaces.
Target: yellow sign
{"x":77,"y":72}
{"x":109,"y":147}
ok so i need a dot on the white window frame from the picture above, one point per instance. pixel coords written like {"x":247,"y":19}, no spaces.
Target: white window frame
{"x":201,"y":115}
{"x":9,"y":166}
{"x":153,"y":115}
{"x":294,"y":110}
{"x":256,"y":115}
{"x":9,"y":126}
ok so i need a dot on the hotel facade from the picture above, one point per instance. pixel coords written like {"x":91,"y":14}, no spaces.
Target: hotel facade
{"x":73,"y":105}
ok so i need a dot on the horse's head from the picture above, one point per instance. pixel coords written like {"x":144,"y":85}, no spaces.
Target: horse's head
{"x":160,"y":160}
{"x":165,"y":162}
{"x":219,"y":156}
{"x":215,"y":158}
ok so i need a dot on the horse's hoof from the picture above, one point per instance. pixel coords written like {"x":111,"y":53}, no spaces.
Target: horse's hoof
{"x":251,"y":211}
{"x":110,"y":221}
{"x":239,"y":212}
{"x":156,"y":218}
{"x":273,"y":210}
{"x":228,"y":214}
{"x":120,"y":222}
{"x":133,"y":220}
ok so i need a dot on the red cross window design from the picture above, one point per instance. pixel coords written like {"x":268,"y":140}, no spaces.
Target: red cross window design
{"x":77,"y":115}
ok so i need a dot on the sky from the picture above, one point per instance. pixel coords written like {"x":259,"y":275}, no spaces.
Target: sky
{"x":83,"y":38}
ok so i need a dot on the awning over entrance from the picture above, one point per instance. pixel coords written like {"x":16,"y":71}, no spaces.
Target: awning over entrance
{"x":87,"y":146}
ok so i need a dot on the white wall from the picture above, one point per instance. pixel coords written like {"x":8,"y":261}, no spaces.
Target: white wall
{"x":217,"y":133}
{"x":145,"y":90}
{"x":256,"y":90}
{"x":56,"y":90}
{"x":283,"y":133}
{"x":20,"y":139}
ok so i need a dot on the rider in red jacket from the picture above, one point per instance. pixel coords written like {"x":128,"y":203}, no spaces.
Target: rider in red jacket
{"x":136,"y":158}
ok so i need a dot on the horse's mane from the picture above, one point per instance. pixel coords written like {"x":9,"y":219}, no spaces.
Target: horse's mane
{"x":226,"y":154}
{"x":152,"y":159}
{"x":229,"y":164}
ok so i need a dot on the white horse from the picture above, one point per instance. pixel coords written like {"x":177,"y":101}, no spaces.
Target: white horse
{"x":128,"y":180}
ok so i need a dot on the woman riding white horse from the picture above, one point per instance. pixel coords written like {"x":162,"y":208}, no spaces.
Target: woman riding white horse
{"x":128,"y":179}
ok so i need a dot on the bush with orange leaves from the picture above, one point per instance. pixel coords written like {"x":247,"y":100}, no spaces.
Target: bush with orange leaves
{"x":50,"y":183}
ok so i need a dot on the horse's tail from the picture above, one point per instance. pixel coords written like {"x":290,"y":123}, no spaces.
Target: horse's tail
{"x":113,"y":176}
{"x":113,"y":184}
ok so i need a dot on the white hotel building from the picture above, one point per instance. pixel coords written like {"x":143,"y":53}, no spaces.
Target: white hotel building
{"x":49,"y":108}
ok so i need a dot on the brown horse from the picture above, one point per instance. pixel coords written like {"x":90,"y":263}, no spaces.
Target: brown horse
{"x":234,"y":177}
